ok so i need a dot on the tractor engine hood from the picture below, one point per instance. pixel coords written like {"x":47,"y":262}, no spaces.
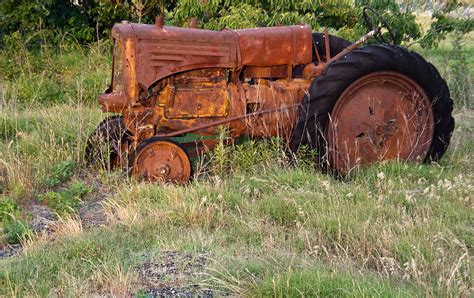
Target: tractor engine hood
{"x":162,"y":51}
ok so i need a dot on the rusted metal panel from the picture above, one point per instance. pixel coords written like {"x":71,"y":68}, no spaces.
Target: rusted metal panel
{"x":169,"y":50}
{"x":196,"y":88}
{"x":161,"y":58}
{"x":208,"y":100}
{"x":289,"y":45}
{"x":280,"y":71}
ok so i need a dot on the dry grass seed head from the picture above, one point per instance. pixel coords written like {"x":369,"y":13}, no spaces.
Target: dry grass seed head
{"x":126,"y":213}
{"x":69,"y":226}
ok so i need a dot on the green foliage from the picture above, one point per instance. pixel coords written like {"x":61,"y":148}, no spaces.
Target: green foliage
{"x":459,"y":79}
{"x":89,"y":20}
{"x":61,"y":173}
{"x":66,"y":201}
{"x":401,"y":22}
{"x":86,"y":20}
{"x":29,"y":17}
{"x":220,"y":163}
{"x":240,"y":16}
{"x":219,"y":14}
{"x":325,"y":283}
{"x":449,"y":18}
{"x":8,"y":209}
{"x":16,"y":230}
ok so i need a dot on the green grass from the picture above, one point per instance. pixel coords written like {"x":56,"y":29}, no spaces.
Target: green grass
{"x":269,"y":228}
{"x":325,"y":283}
{"x":67,"y":200}
{"x":396,"y":235}
{"x":48,"y":76}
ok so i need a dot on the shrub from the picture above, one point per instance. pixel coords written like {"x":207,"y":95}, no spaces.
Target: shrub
{"x":68,"y":200}
{"x":61,"y":173}
{"x":16,"y":230}
{"x":8,"y":209}
{"x":459,"y":78}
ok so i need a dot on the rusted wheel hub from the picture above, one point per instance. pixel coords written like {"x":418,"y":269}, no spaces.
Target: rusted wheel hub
{"x":162,"y":161}
{"x":381,"y":116}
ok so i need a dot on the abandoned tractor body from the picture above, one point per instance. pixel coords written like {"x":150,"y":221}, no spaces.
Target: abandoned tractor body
{"x":169,"y":79}
{"x":354,"y":105}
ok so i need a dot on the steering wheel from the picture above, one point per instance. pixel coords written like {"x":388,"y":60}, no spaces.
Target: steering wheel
{"x":370,"y":17}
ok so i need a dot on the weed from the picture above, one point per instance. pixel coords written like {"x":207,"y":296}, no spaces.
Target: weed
{"x":60,"y":173}
{"x":67,"y":226}
{"x":16,"y":230}
{"x":66,"y":201}
{"x":306,"y":157}
{"x":254,"y":155}
{"x":8,"y":209}
{"x":12,"y":127}
{"x":459,"y":73}
{"x":220,"y":164}
{"x":49,"y":76}
{"x":282,"y":211}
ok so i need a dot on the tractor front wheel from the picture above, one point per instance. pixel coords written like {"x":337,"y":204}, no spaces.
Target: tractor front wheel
{"x":377,"y":103}
{"x":160,"y":160}
{"x":108,"y":143}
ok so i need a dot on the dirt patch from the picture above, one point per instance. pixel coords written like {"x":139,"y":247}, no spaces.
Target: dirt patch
{"x":172,"y":273}
{"x":41,"y":217}
{"x":92,"y":214}
{"x":9,"y":250}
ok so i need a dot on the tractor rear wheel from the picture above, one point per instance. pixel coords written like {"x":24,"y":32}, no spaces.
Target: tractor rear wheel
{"x":107,"y":143}
{"x":377,"y":103}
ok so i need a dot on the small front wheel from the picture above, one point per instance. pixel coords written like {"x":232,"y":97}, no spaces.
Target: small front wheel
{"x":108,"y":143}
{"x":160,"y":160}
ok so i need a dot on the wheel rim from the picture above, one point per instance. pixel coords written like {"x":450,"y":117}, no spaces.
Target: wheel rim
{"x":381,"y":116}
{"x":162,"y":161}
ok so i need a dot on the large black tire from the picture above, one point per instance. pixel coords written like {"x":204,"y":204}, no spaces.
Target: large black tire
{"x":104,"y":144}
{"x":325,"y":90}
{"x":336,"y":45}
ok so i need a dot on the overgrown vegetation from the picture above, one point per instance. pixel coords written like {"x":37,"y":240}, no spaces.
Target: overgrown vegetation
{"x":270,"y":226}
{"x":53,"y":21}
{"x":90,"y":20}
{"x":67,"y":200}
{"x":13,"y":228}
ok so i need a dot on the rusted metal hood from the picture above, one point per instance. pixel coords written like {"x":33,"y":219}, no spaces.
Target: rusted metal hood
{"x":288,"y":45}
{"x":162,"y":51}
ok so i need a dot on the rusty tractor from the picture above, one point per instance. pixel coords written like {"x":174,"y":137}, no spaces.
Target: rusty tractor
{"x":356,"y":105}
